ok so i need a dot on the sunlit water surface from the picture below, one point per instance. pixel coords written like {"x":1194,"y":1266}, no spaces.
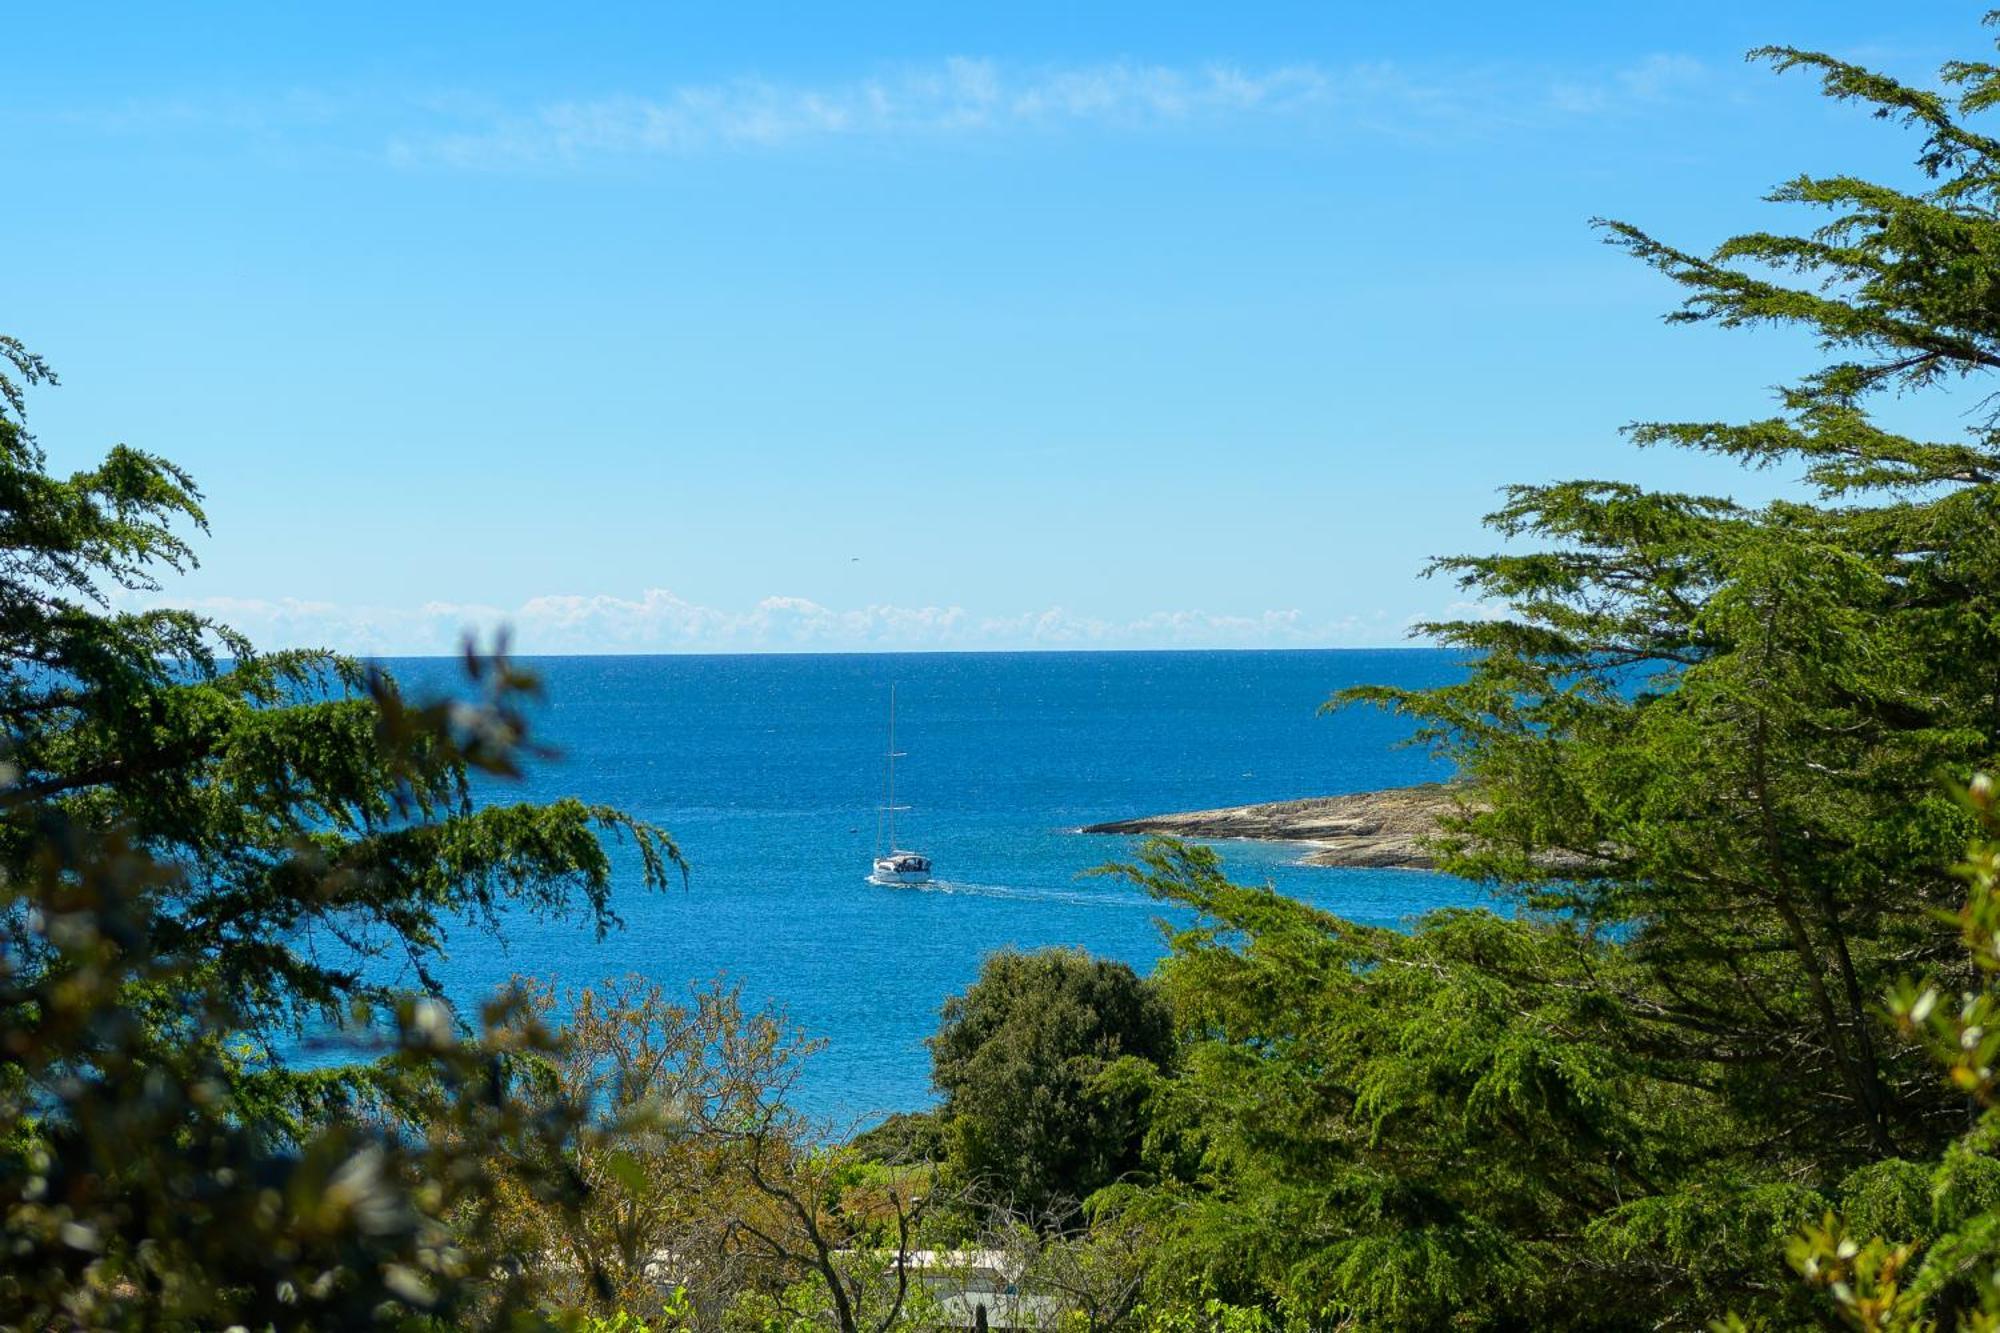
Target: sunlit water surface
{"x":768,"y":769}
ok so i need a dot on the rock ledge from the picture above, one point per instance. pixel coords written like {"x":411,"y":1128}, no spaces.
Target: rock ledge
{"x":1370,"y":828}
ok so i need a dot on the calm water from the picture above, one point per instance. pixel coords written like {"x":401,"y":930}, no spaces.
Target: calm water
{"x":767,"y":770}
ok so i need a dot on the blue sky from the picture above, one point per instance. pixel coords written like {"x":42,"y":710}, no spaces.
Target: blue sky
{"x":733,"y":327}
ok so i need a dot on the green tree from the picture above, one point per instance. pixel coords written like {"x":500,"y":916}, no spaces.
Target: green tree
{"x":1922,"y":1250}
{"x":1043,"y":1065}
{"x":1724,"y":729}
{"x":1708,"y":742}
{"x":141,"y":1188}
{"x":304,"y":802}
{"x":1438,"y":1126}
{"x":201,"y":849}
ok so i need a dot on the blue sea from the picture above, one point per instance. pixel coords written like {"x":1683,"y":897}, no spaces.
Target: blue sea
{"x":767,"y":771}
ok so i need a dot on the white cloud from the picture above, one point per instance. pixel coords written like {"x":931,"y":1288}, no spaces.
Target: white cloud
{"x":1657,"y":78}
{"x":966,"y":95}
{"x":955,"y":95}
{"x":467,"y":127}
{"x":1475,"y":610}
{"x":658,"y":621}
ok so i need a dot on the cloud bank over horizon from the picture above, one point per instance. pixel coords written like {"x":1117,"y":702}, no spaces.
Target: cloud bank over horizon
{"x":659,"y":621}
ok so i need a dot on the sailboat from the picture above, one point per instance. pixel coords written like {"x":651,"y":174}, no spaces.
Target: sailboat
{"x":897,"y":866}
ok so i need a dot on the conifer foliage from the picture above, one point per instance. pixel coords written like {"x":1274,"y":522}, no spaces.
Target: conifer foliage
{"x":1714,"y":746}
{"x":202,"y":849}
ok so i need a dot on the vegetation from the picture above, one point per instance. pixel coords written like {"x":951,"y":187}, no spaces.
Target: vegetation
{"x":1043,"y":1064}
{"x":311,"y":811}
{"x":1920,"y":1249}
{"x":202,"y":848}
{"x":1692,"y":1068}
{"x":142,"y":1185}
{"x":699,"y":1178}
{"x":1713,"y":746}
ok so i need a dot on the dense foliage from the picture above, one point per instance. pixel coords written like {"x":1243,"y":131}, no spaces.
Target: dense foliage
{"x":1043,"y":1064}
{"x":1713,"y":747}
{"x":203,"y":851}
{"x":1919,"y":1248}
{"x":147,"y":1177}
{"x":1691,"y":1066}
{"x":701,"y":1179}
{"x":305,"y":805}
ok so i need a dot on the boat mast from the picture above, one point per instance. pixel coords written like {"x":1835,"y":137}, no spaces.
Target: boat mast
{"x":891,"y":807}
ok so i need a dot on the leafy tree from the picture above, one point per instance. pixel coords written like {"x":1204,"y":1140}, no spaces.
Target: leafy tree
{"x":1409,"y":1129}
{"x":317,"y":820}
{"x":672,"y":1085}
{"x":1708,"y":743}
{"x":1726,"y":727}
{"x":1930,"y":1259}
{"x":143,"y":1183}
{"x":905,"y":1136}
{"x":1042,"y":1064}
{"x":202,"y":848}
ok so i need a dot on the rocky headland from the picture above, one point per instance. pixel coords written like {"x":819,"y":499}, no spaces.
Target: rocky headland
{"x":1370,"y":828}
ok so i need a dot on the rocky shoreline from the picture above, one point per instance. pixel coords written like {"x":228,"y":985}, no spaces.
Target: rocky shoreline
{"x":1367,"y":829}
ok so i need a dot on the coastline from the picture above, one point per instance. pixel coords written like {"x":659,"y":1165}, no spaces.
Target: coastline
{"x":1371,"y":829}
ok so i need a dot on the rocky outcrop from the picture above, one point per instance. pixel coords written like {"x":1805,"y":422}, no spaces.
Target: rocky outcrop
{"x":1370,"y":828}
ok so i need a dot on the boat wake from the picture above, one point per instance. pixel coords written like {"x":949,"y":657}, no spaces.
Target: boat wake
{"x":1078,"y":897}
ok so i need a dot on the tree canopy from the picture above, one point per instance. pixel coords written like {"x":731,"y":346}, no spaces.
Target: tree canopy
{"x":1713,"y":747}
{"x":1040,"y":1063}
{"x":302,"y":800}
{"x":1729,"y":1044}
{"x":205,"y":849}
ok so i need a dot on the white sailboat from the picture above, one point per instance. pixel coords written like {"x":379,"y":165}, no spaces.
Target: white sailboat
{"x":897,"y":865}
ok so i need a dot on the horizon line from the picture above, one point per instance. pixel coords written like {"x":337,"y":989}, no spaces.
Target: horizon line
{"x":908,"y":652}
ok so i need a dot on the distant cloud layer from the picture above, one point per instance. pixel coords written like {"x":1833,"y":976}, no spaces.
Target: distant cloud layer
{"x":657,"y":621}
{"x":951,"y":98}
{"x":962,"y":95}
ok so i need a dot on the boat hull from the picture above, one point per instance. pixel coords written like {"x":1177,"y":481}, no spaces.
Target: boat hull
{"x":902,"y":868}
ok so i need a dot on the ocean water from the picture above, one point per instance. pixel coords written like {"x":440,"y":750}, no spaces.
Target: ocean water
{"x":767,"y":771}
